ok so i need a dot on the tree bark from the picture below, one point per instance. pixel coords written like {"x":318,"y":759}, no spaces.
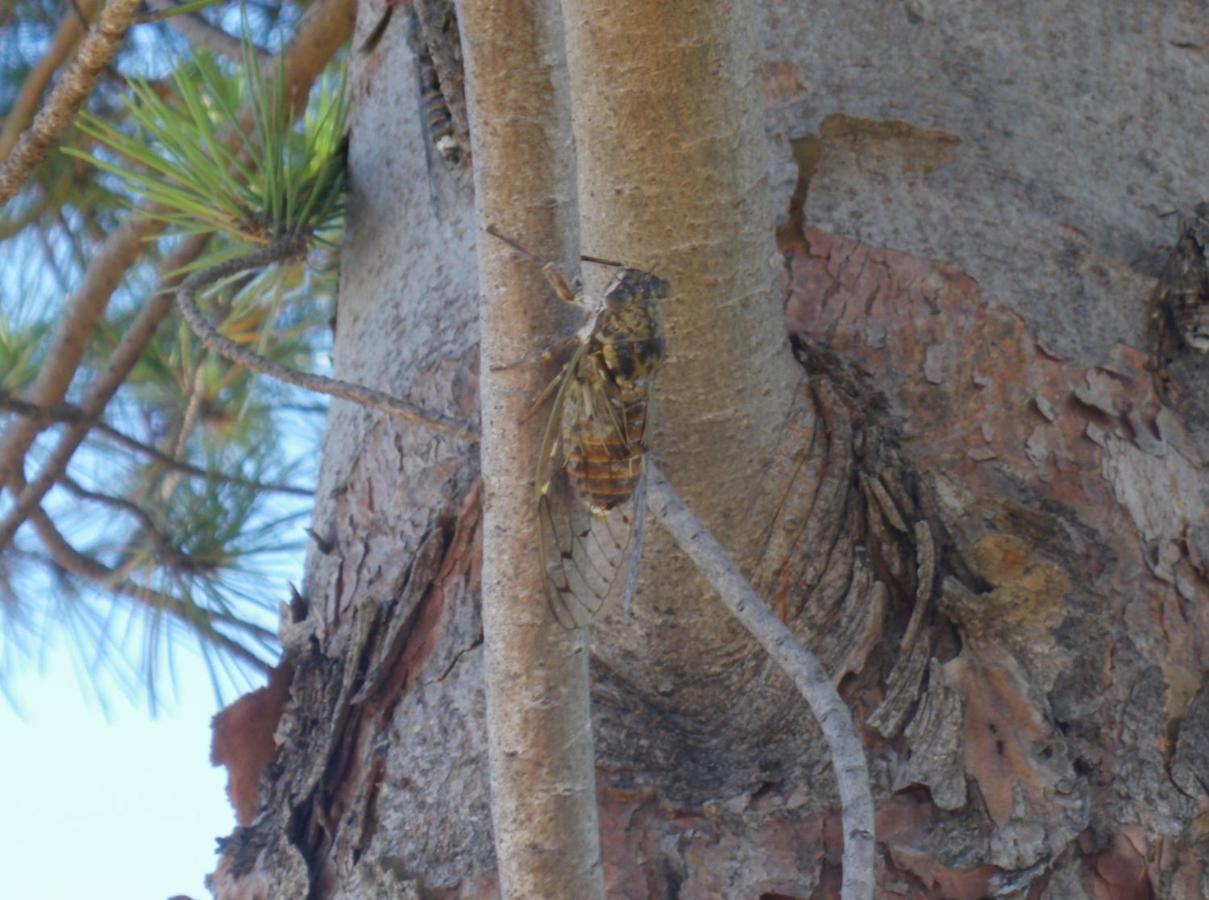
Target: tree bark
{"x":988,"y":526}
{"x":542,"y":778}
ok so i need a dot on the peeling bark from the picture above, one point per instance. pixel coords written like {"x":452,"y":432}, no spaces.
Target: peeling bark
{"x":978,"y":513}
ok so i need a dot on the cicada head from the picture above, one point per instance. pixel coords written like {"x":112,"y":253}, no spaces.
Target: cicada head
{"x":630,"y":285}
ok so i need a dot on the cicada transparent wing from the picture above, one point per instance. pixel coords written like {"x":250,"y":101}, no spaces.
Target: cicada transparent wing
{"x":586,"y":502}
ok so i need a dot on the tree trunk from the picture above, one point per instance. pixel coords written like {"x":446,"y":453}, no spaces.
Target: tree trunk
{"x":977,"y":511}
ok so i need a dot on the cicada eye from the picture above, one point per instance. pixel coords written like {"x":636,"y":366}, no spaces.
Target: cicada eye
{"x":620,"y":290}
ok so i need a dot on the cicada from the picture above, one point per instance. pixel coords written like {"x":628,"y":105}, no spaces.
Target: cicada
{"x":589,"y":484}
{"x":1182,"y":296}
{"x":1180,"y":303}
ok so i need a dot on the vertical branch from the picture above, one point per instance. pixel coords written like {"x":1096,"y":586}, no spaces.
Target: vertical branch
{"x":808,"y":674}
{"x":542,"y":775}
{"x":673,"y":178}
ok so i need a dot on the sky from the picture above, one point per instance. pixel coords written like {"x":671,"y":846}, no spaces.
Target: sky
{"x":103,"y":800}
{"x":124,"y":808}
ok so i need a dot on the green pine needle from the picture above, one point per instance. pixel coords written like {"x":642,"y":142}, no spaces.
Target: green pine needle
{"x":254,"y":178}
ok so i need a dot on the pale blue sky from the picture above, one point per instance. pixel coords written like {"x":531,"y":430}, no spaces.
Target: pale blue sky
{"x":125,"y":809}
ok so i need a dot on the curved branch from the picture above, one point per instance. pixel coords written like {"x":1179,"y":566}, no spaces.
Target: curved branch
{"x":69,"y":94}
{"x":802,"y":666}
{"x":320,"y":384}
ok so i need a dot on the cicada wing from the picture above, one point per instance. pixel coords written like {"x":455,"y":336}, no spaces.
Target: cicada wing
{"x":584,"y":550}
{"x":583,"y":553}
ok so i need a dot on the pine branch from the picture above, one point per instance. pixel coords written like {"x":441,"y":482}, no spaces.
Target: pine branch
{"x":121,"y":362}
{"x":168,"y":553}
{"x":67,"y":36}
{"x":289,"y":248}
{"x":802,"y":666}
{"x":68,"y":96}
{"x":189,"y":614}
{"x":322,"y":31}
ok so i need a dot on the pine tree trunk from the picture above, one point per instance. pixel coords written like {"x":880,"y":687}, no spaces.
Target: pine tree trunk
{"x":979,"y":510}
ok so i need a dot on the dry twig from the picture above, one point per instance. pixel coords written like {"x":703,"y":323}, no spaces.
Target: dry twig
{"x":291,"y":248}
{"x":802,"y":666}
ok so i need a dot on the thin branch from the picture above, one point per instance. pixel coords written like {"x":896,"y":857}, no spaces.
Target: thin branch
{"x":190,"y":614}
{"x":188,"y":421}
{"x":320,"y":384}
{"x":199,"y":32}
{"x":66,"y":412}
{"x":802,"y":666}
{"x":67,"y":36}
{"x":75,"y":7}
{"x":170,"y":554}
{"x":68,"y":96}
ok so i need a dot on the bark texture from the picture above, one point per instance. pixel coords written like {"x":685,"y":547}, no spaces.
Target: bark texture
{"x":994,"y":534}
{"x":542,"y":779}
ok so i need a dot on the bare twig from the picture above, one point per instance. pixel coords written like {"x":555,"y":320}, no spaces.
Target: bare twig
{"x":26,"y":103}
{"x":69,"y":94}
{"x":320,"y":384}
{"x":169,"y":553}
{"x":66,"y":412}
{"x":802,"y":666}
{"x":197,"y":30}
{"x":121,"y":361}
{"x":190,"y":614}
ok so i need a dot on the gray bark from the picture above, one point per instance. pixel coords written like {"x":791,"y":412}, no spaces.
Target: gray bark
{"x":994,"y":536}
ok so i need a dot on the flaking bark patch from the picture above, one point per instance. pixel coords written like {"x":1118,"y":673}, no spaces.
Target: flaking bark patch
{"x":242,"y":739}
{"x":1069,"y":576}
{"x":331,"y":758}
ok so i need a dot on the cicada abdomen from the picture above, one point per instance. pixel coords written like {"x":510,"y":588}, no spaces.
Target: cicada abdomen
{"x":604,"y":420}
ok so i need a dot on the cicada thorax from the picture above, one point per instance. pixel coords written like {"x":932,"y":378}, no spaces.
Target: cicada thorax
{"x":605,"y":420}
